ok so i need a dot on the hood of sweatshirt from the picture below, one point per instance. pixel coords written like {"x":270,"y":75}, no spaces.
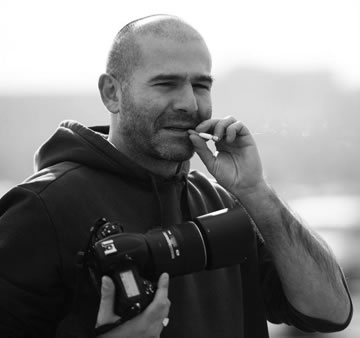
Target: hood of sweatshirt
{"x":89,"y":147}
{"x":76,"y":143}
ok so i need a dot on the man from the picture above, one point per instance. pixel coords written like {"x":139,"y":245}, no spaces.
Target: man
{"x":158,"y":90}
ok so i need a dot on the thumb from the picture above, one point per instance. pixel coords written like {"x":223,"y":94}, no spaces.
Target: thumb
{"x":163,"y":283}
{"x":203,"y":151}
{"x":106,"y":311}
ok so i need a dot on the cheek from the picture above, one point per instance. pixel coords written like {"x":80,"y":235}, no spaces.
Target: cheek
{"x":205,"y":106}
{"x":155,"y":109}
{"x":147,"y":118}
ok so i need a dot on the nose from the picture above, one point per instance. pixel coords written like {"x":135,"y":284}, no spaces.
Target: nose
{"x":185,"y":100}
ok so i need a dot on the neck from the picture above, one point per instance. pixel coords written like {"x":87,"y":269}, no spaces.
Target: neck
{"x":162,"y":168}
{"x":158,"y":167}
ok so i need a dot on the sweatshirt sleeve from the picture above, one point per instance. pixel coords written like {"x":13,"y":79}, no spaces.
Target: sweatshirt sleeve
{"x":30,"y":294}
{"x":278,"y":308}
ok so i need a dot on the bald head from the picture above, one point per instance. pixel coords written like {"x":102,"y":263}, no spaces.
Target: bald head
{"x":126,"y":54}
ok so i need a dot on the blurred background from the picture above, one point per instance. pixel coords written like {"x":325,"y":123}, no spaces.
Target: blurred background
{"x":288,"y":69}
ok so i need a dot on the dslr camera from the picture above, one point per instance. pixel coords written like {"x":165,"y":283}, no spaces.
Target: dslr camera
{"x":135,"y":261}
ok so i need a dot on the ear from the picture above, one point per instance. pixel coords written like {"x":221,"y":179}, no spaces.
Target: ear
{"x":109,"y":89}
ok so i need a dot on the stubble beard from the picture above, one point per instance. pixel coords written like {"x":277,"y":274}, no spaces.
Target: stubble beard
{"x":144,"y":138}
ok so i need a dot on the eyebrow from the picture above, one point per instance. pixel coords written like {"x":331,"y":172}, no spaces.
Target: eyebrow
{"x":177,"y":77}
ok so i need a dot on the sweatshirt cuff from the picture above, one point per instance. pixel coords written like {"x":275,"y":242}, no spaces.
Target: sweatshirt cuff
{"x":311,"y":324}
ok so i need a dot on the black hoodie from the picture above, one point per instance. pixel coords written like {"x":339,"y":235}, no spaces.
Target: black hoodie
{"x":45,"y":222}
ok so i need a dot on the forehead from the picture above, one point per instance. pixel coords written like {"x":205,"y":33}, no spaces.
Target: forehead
{"x":166,"y":55}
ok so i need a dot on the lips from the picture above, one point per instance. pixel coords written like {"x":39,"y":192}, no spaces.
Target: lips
{"x":177,"y":125}
{"x":180,"y":127}
{"x":177,"y":131}
{"x":177,"y":128}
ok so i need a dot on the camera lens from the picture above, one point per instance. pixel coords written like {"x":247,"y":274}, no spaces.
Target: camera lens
{"x":177,"y":250}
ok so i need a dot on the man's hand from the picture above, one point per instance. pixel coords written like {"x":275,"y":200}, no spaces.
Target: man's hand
{"x":149,"y":323}
{"x":237,"y":165}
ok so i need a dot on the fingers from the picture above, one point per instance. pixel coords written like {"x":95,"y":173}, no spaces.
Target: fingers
{"x":202,"y":150}
{"x":106,"y":311}
{"x":223,"y":130}
{"x":207,"y":126}
{"x":163,"y":284}
{"x":148,"y":323}
{"x":159,"y":308}
{"x":228,"y":128}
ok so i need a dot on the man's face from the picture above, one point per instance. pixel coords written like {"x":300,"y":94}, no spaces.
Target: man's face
{"x":168,"y":93}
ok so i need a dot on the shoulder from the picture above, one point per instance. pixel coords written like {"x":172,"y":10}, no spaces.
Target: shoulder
{"x":27,"y":203}
{"x":46,"y":177}
{"x":26,"y":230}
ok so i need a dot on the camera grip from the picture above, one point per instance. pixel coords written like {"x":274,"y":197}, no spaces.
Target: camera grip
{"x":132,"y":293}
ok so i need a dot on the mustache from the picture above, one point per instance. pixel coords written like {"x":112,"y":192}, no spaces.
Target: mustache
{"x":177,"y":119}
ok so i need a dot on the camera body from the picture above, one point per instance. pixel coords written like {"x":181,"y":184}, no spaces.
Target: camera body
{"x":135,"y":261}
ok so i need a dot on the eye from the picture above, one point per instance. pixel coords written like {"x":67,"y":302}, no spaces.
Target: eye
{"x":165,"y":84}
{"x":202,"y":86}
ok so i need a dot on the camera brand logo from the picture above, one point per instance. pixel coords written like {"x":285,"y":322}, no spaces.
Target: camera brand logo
{"x":109,"y":247}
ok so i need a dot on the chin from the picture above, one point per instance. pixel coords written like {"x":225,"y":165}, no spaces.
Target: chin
{"x":177,"y":155}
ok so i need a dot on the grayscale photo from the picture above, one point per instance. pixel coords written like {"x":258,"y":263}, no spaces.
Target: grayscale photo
{"x":179,"y":169}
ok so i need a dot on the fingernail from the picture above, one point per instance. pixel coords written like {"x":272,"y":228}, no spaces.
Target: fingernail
{"x":164,"y":279}
{"x":106,"y":283}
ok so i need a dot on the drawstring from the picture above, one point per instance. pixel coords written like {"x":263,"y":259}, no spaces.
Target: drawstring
{"x":158,"y":199}
{"x":184,"y":201}
{"x":185,"y":207}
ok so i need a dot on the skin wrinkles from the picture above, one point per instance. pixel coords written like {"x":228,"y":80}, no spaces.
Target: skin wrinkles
{"x":170,"y":88}
{"x":203,"y":81}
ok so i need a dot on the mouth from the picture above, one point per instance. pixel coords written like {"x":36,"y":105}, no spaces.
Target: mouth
{"x":177,"y":129}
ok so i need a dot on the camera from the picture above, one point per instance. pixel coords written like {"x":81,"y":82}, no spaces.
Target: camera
{"x":135,"y":261}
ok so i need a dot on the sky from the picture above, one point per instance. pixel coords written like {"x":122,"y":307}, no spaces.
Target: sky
{"x":61,"y":46}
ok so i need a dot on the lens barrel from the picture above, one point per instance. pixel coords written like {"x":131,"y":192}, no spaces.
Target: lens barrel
{"x":178,"y":250}
{"x":215,"y":240}
{"x":228,"y":236}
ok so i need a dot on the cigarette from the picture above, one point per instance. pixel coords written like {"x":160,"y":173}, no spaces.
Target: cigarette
{"x":207,"y":136}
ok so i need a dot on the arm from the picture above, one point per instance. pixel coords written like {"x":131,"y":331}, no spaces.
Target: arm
{"x":309,"y":274}
{"x":31,"y":299}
